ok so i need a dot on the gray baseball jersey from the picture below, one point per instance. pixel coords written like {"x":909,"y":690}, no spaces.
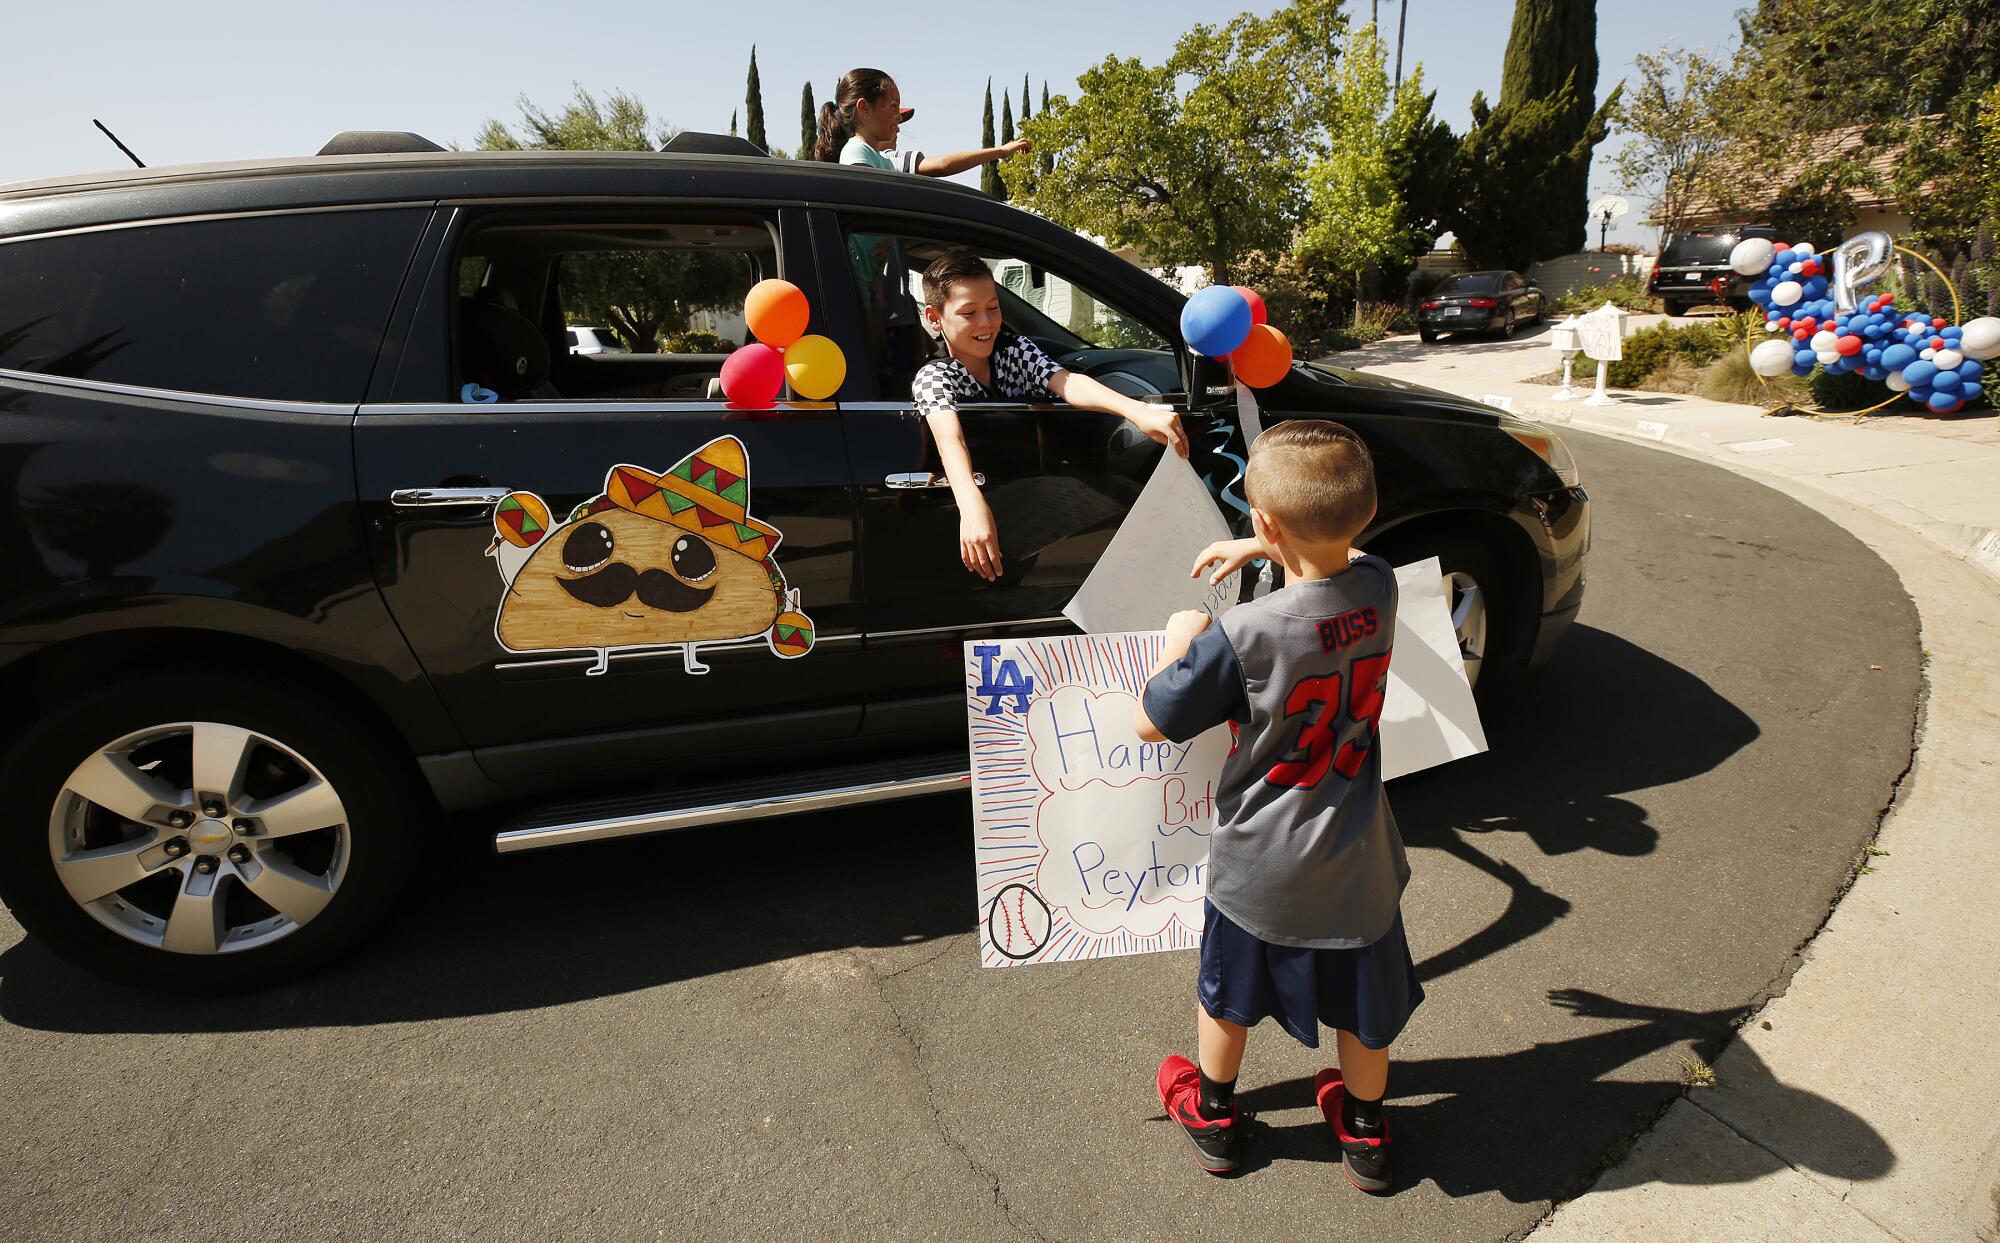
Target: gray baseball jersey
{"x":1305,"y":851}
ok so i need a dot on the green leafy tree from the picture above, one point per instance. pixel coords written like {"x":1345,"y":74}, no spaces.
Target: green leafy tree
{"x":1912,"y":74}
{"x":1677,"y":126}
{"x":989,"y":174}
{"x":638,"y":294}
{"x":1199,"y":159}
{"x":808,"y":122}
{"x":1355,"y":215}
{"x":753,"y":101}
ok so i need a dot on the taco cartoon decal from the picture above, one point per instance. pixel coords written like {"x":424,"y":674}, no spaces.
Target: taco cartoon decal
{"x":672,"y":560}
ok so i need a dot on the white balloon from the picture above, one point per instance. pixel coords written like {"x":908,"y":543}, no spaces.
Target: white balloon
{"x":1897,"y":382}
{"x":1823,"y":341}
{"x":1804,"y":248}
{"x":1947,"y":359}
{"x":1927,"y":353}
{"x":1787,"y":293}
{"x":1981,"y":338}
{"x":1752,"y":256}
{"x":1829,"y":356}
{"x":1772,"y":358}
{"x":1771,"y":325}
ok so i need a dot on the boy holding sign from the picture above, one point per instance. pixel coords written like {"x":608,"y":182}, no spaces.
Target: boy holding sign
{"x":1305,"y":866}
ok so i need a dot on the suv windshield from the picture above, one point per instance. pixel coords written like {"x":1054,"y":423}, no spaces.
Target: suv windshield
{"x":1471,"y":282}
{"x":1699,"y":249}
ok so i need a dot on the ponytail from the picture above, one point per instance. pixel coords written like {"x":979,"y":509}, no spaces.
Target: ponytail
{"x":836,"y":116}
{"x":833,"y":133}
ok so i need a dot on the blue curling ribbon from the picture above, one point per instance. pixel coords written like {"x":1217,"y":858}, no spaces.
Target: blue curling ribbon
{"x":1229,"y":493}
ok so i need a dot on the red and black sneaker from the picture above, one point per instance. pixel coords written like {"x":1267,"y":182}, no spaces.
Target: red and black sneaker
{"x":1364,"y":1160}
{"x":1180,"y":1095}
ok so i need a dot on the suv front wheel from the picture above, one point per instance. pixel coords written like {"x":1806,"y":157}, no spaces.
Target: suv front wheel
{"x":201,"y":833}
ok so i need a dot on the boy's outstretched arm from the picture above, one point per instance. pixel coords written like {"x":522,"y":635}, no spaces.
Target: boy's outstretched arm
{"x":959,"y":161}
{"x":978,"y":537}
{"x":1087,"y":394}
{"x":1182,"y":627}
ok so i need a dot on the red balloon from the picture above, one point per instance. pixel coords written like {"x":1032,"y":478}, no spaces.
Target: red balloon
{"x":1848,"y":345}
{"x":1256,"y":301}
{"x":1784,"y":321}
{"x":1800,"y":334}
{"x":753,"y":375}
{"x":1937,"y":323}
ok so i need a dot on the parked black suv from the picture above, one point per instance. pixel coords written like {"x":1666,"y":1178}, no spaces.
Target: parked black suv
{"x":1693,"y":269}
{"x":311,"y":528}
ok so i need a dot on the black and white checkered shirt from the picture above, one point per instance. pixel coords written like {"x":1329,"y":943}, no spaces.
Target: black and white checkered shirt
{"x":1020,"y":371}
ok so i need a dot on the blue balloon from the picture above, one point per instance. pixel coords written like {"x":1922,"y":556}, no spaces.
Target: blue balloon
{"x":1945,"y":382}
{"x":1971,"y":369}
{"x":1898,"y":356}
{"x":1804,"y":358}
{"x":1952,"y":332}
{"x":1801,"y":369}
{"x":1216,"y":320}
{"x":1944,"y":403}
{"x":1971,"y":390}
{"x":1919,"y":373}
{"x":1760,"y":295}
{"x":1874,"y":372}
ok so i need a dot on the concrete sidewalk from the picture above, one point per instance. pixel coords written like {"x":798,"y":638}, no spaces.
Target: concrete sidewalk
{"x":1893,"y":1013}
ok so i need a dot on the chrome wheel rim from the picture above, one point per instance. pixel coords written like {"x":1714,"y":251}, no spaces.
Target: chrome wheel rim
{"x":199,"y":838}
{"x":1468,"y":621}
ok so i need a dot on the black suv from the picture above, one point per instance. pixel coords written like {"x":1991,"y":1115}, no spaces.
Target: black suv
{"x":1693,"y":269}
{"x":312,"y":529}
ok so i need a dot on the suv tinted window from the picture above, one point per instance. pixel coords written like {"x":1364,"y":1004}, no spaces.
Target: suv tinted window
{"x":1702,"y":249}
{"x":287,"y":307}
{"x":1473,"y":282}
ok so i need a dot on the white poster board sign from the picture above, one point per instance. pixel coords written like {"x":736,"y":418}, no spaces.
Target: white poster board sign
{"x":1602,"y":335}
{"x":1142,"y":578}
{"x":1089,"y":843}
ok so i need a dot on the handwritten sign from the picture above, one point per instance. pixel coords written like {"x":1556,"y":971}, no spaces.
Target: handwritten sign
{"x":1142,"y":578}
{"x":1090,"y":843}
{"x":1602,"y":334}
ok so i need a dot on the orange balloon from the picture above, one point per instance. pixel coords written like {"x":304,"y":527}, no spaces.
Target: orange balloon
{"x":1264,"y":358}
{"x":776,"y":312}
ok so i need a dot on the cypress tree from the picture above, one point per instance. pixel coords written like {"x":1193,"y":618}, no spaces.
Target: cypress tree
{"x":754,"y":101}
{"x":1553,"y":46}
{"x":1046,"y":160}
{"x":808,"y":123}
{"x":732,"y":122}
{"x":1024,"y":97}
{"x":989,"y":177}
{"x":1006,"y":136}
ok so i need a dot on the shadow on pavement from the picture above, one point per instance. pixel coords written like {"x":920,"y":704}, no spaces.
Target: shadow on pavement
{"x":1520,"y":1123}
{"x":1410,"y":349}
{"x":1607,"y":718}
{"x":481,"y":934}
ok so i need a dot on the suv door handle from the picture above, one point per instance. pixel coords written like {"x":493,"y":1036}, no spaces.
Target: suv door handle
{"x":925,"y":479}
{"x":414,"y":498}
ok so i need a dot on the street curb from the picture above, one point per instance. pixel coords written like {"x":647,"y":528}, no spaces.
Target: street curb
{"x":1978,"y":546}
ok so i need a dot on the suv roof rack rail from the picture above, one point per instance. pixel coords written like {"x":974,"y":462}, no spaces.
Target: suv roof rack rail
{"x":376,"y":142}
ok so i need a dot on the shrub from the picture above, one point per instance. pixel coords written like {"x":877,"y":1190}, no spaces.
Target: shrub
{"x":1626,"y":292}
{"x":694,"y":342}
{"x":1307,"y":299}
{"x":1383,"y":319}
{"x":1729,"y":378}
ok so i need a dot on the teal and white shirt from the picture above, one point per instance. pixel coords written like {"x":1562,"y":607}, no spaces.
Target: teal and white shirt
{"x":860,"y":151}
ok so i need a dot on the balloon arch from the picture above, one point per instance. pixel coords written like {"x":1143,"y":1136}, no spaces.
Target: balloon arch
{"x":1816,"y":302}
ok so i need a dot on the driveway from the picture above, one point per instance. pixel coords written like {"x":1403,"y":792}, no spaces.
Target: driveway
{"x":779,"y":1029}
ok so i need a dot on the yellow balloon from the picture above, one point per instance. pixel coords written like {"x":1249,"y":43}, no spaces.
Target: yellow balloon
{"x":815,"y":366}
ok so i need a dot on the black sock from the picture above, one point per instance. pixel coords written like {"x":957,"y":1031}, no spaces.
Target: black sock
{"x":1363,"y":1119}
{"x":1218,"y":1100}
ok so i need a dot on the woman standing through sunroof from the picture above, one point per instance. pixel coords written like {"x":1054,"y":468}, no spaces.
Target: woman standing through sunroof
{"x":859,"y":125}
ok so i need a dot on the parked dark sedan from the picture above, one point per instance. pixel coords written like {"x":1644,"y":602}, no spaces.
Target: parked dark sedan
{"x":312,"y":528}
{"x":1480,"y":302}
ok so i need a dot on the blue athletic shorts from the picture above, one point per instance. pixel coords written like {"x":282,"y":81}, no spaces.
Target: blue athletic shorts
{"x":1369,"y":991}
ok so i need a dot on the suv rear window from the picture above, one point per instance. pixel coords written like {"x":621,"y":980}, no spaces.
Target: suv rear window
{"x":1475,"y":282}
{"x":1692,"y":250}
{"x":286,"y":307}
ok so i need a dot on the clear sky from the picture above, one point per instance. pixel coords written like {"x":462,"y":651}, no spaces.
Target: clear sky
{"x":196,"y":80}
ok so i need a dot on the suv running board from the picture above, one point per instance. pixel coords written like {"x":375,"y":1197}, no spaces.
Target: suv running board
{"x":846,"y":786}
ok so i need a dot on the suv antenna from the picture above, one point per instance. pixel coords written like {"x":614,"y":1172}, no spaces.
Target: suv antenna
{"x":121,"y":146}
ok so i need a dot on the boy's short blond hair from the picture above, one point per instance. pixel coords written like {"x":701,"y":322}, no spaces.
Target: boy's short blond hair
{"x":1314,"y":476}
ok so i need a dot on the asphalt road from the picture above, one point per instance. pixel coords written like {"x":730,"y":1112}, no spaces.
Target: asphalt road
{"x":780,"y":1030}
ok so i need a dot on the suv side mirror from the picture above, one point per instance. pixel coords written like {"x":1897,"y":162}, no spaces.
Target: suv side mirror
{"x":1210,"y":381}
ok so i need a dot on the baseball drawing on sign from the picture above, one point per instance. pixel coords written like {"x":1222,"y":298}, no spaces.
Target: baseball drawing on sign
{"x":655,"y":561}
{"x":1089,"y":842}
